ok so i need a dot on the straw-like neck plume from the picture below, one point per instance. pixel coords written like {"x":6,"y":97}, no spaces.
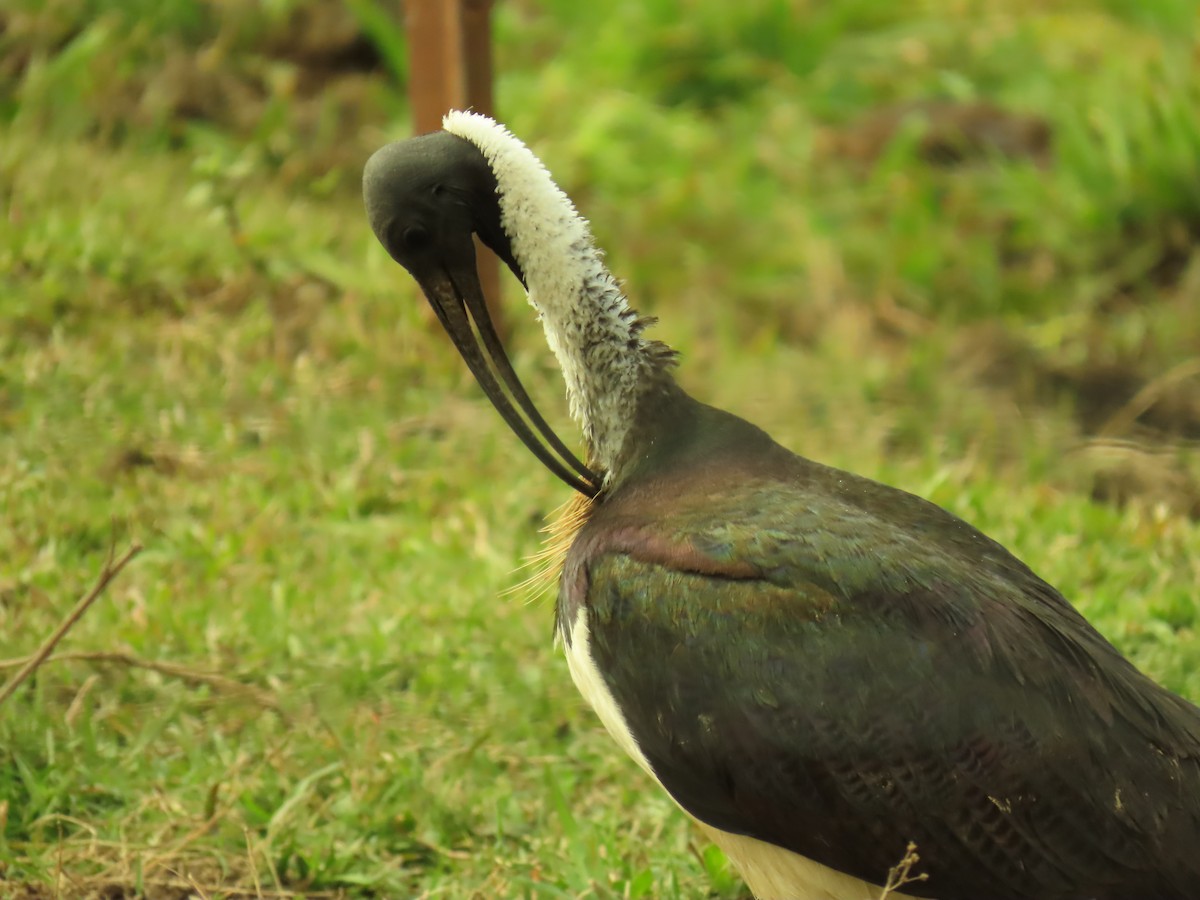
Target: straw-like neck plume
{"x":594,"y":333}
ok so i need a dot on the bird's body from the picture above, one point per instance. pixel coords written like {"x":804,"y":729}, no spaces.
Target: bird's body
{"x":818,"y":668}
{"x":896,"y":676}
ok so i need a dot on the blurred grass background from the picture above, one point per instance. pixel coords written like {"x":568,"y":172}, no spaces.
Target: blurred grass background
{"x":949,"y":244}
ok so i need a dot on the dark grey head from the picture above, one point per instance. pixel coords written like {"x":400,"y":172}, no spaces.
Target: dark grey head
{"x":425,"y":198}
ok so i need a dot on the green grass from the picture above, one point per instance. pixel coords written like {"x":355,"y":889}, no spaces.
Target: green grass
{"x":202,"y":348}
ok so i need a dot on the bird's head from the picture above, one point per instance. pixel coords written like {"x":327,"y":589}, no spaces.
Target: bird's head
{"x":425,"y":198}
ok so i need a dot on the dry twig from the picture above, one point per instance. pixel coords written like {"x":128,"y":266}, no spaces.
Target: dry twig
{"x":110,"y":571}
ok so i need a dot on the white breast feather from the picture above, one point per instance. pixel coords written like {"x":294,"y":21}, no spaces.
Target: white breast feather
{"x":772,"y":873}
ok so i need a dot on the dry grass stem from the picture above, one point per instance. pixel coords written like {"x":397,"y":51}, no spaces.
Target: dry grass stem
{"x":28,"y":666}
{"x":173,"y":670}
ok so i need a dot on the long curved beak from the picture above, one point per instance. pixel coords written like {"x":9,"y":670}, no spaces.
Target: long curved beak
{"x":456,"y":296}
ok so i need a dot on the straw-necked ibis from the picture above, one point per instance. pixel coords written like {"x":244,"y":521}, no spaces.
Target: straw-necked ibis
{"x":818,"y":668}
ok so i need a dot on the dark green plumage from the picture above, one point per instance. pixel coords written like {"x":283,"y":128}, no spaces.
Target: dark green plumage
{"x":838,"y":667}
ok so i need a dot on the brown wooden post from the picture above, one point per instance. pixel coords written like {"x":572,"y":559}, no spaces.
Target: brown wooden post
{"x":450,"y":67}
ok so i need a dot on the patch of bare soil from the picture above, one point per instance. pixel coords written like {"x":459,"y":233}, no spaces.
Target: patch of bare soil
{"x":949,"y":133}
{"x":1138,"y":427}
{"x":311,"y":74}
{"x":1172,"y":243}
{"x":1114,"y":398}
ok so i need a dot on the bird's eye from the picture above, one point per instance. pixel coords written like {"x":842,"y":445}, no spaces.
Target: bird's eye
{"x":437,"y":190}
{"x":417,"y":237}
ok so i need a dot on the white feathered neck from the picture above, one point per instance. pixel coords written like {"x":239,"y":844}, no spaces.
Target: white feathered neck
{"x":590,"y":327}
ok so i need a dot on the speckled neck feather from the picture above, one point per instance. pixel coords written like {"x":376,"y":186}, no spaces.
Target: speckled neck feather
{"x":589,"y":325}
